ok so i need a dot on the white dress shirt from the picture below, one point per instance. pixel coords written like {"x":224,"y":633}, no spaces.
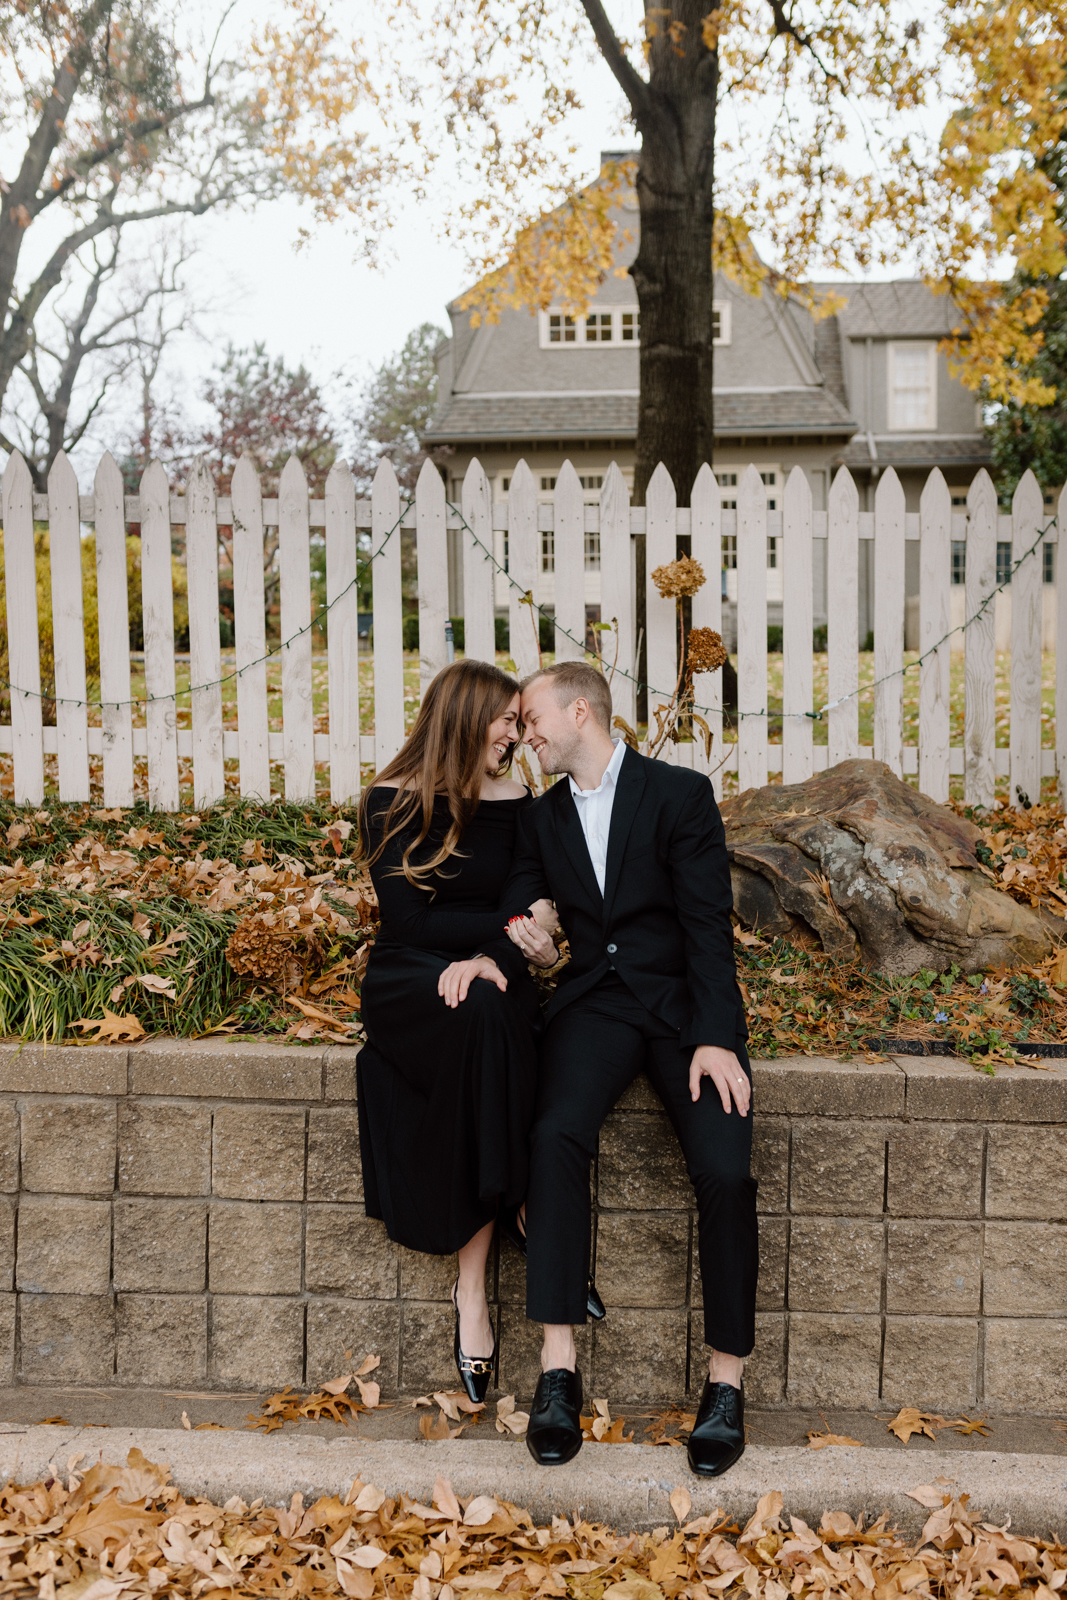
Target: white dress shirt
{"x":594,"y":811}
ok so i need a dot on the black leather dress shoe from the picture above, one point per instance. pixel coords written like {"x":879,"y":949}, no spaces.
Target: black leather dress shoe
{"x":718,"y":1436}
{"x":554,"y":1434}
{"x":508,"y":1221}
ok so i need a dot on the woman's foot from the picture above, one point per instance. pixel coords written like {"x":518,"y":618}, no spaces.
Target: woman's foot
{"x":474,"y":1365}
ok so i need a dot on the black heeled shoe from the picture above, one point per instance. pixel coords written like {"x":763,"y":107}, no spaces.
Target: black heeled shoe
{"x":718,"y":1436}
{"x":508,"y":1222}
{"x":475,"y":1372}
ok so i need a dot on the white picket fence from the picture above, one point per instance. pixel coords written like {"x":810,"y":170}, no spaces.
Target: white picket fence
{"x":339,"y":514}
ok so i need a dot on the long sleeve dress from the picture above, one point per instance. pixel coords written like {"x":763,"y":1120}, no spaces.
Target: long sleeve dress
{"x":446,"y":1097}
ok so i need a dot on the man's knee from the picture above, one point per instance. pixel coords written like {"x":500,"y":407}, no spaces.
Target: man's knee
{"x":557,"y":1139}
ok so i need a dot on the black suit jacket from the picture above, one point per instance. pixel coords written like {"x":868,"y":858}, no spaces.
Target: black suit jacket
{"x":663,"y":921}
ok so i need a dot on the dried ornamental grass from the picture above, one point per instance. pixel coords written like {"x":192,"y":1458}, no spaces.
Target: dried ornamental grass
{"x":128,"y":1531}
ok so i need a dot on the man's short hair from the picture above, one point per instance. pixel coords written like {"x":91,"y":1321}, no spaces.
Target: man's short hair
{"x":570,"y":679}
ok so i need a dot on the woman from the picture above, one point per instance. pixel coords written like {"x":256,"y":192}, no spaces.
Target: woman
{"x":446,"y":1095}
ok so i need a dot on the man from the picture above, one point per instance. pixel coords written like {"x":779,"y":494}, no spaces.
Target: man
{"x":633,"y":853}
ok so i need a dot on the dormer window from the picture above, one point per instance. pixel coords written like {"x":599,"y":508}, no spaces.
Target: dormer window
{"x":913,"y":385}
{"x":721,"y":329}
{"x":560,"y":330}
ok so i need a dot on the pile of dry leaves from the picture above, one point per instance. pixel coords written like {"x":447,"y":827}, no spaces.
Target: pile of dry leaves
{"x":111,"y":1531}
{"x":1025,"y":853}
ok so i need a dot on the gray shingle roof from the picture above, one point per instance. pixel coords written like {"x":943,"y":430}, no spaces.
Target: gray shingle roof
{"x":893,"y":310}
{"x":929,"y":453}
{"x":468,"y":417}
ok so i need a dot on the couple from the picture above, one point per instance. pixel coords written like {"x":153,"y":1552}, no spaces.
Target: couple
{"x":470,"y":1102}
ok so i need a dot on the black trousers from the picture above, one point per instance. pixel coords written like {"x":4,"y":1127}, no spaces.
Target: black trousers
{"x":592,"y":1050}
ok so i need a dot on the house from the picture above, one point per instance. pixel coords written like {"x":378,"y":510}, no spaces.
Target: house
{"x":865,"y":387}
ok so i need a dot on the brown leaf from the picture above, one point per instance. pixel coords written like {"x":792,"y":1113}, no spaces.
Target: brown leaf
{"x":337,"y":1385}
{"x":927,"y":1496}
{"x":369,"y":1365}
{"x":909,"y":1420}
{"x":445,"y":1500}
{"x":681,"y":1503}
{"x":113,"y":1028}
{"x":818,"y":1441}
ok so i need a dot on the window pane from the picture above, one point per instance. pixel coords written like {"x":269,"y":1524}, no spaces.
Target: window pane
{"x":959,"y":561}
{"x":630,"y":327}
{"x":726,"y":480}
{"x":772,"y":552}
{"x":592,"y":551}
{"x":1003,"y":562}
{"x":1049,"y":569}
{"x":729,"y":550}
{"x":548,"y":483}
{"x":911,"y":386}
{"x":570,"y":330}
{"x":548,"y":552}
{"x":716,"y":324}
{"x":555,"y":329}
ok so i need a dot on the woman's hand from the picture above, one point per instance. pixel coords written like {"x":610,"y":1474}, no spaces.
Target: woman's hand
{"x":535,"y":944}
{"x":456,"y":979}
{"x":544,"y":914}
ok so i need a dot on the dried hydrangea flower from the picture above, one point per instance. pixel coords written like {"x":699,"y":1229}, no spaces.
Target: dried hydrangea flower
{"x":706,"y":651}
{"x":684,"y":576}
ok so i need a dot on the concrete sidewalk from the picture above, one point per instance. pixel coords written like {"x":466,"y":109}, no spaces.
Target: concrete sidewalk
{"x":627,"y":1486}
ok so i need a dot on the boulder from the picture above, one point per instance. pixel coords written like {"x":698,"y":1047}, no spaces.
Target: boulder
{"x":858,"y":861}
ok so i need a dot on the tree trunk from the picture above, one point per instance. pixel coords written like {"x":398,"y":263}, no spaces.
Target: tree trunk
{"x":673,"y":270}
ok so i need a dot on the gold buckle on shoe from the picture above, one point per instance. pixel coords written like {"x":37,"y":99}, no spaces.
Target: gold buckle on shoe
{"x":477,"y":1366}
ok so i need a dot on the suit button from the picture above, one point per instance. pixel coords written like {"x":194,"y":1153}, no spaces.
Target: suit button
{"x":612,"y":949}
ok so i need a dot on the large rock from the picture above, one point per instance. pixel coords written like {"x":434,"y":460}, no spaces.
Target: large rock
{"x":860,"y":862}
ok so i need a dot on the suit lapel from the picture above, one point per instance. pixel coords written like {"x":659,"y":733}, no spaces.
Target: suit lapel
{"x":628,"y":792}
{"x":573,"y":840}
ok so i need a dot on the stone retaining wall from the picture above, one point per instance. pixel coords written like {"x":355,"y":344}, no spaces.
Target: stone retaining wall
{"x":190,"y":1216}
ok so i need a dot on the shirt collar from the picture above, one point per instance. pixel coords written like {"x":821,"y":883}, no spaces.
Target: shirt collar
{"x":611,"y":774}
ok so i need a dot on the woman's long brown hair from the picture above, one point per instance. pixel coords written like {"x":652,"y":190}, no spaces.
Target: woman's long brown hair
{"x":444,"y":753}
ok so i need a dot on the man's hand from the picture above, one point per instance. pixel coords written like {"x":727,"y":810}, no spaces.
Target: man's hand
{"x":535,"y":944}
{"x":544,"y":914}
{"x":456,"y":979}
{"x":725,"y":1072}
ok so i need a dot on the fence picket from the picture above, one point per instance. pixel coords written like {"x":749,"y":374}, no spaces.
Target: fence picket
{"x":68,"y":630}
{"x":1026,"y":521}
{"x":935,"y":556}
{"x":157,"y":610}
{"x":706,"y":547}
{"x":342,"y":631}
{"x":294,"y":574}
{"x":980,"y":642}
{"x":798,"y":757}
{"x":250,"y":629}
{"x":479,"y":626}
{"x":23,"y":646}
{"x":431,"y":547}
{"x":751,"y":631}
{"x":205,"y":656}
{"x":889,"y":510}
{"x":661,"y":616}
{"x":113,"y":621}
{"x":524,"y":560}
{"x":569,"y":538}
{"x":617,"y":593}
{"x":388,"y":616}
{"x":842,"y":614}
{"x":1061,"y":648}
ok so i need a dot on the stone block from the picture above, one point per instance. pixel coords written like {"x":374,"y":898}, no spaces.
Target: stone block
{"x":642,"y":1258}
{"x":334,"y":1168}
{"x":813,"y":1086}
{"x":256,"y":1343}
{"x":164,"y":1149}
{"x":62,"y":1069}
{"x":424,"y":1277}
{"x":838,"y":1167}
{"x":1026,"y":1364}
{"x":1024,"y":1269}
{"x":257,"y":1153}
{"x":770,"y":1162}
{"x":520,"y":1355}
{"x":951,"y":1091}
{"x":764,"y":1368}
{"x":66,"y":1338}
{"x":934,"y":1267}
{"x":426,"y":1347}
{"x":835,"y":1264}
{"x":511,"y":1275}
{"x":773,"y":1263}
{"x":931,"y":1362}
{"x":364,"y":1327}
{"x":254,"y":1249}
{"x":341,"y":1072}
{"x":349,"y":1254}
{"x":641,"y":1166}
{"x":64,"y":1246}
{"x":9,"y":1148}
{"x":1026,"y":1173}
{"x":7,"y":1242}
{"x":8,"y":1305}
{"x":639,"y":1355}
{"x":639,"y":1096}
{"x":68,"y":1146}
{"x":217,"y":1069}
{"x":161,"y":1246}
{"x":833,"y":1359}
{"x":935,"y":1171}
{"x":161,"y":1339}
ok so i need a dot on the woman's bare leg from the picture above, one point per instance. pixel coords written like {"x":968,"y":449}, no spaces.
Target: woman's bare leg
{"x":475,"y":1328}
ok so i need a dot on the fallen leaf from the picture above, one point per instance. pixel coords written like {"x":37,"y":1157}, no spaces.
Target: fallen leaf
{"x":369,"y":1498}
{"x":112,"y":1028}
{"x":185,"y":1420}
{"x":819,"y":1441}
{"x":369,"y":1393}
{"x":967,"y":1426}
{"x":337,"y":1385}
{"x":927,"y":1496}
{"x":369,"y":1365}
{"x":445,"y":1500}
{"x":482,"y":1509}
{"x":368,"y":1555}
{"x":909,"y":1420}
{"x":681,"y":1503}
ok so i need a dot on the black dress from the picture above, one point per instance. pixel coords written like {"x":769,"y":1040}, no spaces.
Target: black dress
{"x":446,"y":1097}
